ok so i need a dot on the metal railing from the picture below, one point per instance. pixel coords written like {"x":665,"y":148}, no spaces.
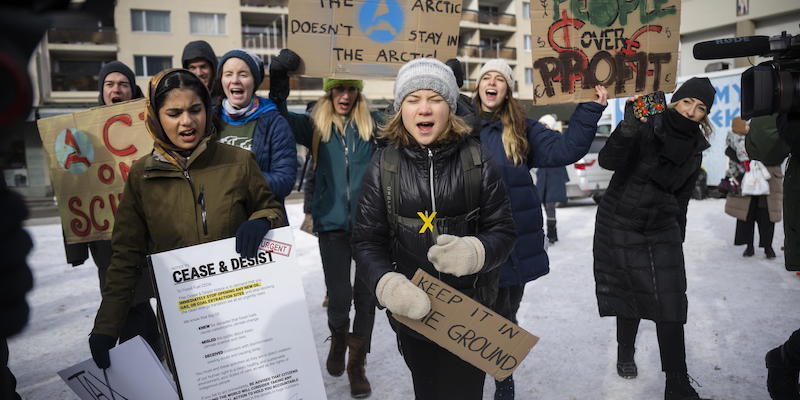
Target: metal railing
{"x":485,"y":17}
{"x":74,"y":36}
{"x":262,"y":41}
{"x":264,"y":3}
{"x":471,"y":50}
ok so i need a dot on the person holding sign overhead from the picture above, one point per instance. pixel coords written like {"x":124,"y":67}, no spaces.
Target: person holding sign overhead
{"x":431,"y":200}
{"x":341,"y":135}
{"x":641,"y":224}
{"x":189,"y":190}
{"x":516,"y":144}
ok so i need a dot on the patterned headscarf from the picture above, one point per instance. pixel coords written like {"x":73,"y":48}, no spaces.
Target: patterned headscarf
{"x":162,"y":145}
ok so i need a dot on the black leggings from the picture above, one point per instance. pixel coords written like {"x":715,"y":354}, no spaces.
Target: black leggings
{"x":671,"y":342}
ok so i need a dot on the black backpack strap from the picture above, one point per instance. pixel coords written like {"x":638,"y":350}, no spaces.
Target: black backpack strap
{"x":390,"y":183}
{"x":472,"y":165}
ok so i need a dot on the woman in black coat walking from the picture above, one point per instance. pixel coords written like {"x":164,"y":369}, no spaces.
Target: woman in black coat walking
{"x":641,"y":223}
{"x":431,"y":167}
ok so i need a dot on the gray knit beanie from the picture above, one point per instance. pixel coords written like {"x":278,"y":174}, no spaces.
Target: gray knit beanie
{"x":426,"y":73}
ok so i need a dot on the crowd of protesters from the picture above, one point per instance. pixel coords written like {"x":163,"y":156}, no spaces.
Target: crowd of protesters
{"x":465,"y":160}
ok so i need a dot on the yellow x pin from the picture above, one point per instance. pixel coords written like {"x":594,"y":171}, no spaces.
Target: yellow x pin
{"x":427,"y":221}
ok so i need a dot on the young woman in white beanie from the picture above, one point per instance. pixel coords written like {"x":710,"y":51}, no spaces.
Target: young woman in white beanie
{"x":431,"y":166}
{"x":516,"y":144}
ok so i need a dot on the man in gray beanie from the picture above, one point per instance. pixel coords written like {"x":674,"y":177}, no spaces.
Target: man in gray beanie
{"x":426,"y":73}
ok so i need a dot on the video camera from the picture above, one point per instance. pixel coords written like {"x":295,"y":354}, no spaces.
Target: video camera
{"x":767,"y":88}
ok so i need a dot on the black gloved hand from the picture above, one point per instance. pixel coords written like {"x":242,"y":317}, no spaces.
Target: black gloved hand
{"x":630,"y":124}
{"x":249,"y":236}
{"x":100,"y":345}
{"x":285,"y":61}
{"x":458,"y":70}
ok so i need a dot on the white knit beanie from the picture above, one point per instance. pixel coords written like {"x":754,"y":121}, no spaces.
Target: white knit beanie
{"x":501,"y":66}
{"x":426,"y":73}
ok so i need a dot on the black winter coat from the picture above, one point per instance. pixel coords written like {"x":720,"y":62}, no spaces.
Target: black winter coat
{"x":641,"y":221}
{"x":378,"y":251}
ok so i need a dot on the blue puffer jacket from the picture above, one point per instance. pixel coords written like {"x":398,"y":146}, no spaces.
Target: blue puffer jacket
{"x":551,"y":184}
{"x":273,"y":146}
{"x":546,"y":148}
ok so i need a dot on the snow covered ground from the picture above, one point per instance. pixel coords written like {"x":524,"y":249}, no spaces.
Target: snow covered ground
{"x":738,"y":309}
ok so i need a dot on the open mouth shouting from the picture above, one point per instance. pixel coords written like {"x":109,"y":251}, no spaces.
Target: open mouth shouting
{"x":425,"y":128}
{"x":187,"y":135}
{"x":116,"y":99}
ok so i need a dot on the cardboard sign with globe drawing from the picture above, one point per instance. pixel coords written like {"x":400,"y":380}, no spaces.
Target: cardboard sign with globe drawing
{"x":90,"y":154}
{"x":370,"y":38}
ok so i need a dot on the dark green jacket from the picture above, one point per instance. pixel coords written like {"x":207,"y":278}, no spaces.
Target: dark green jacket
{"x":340,"y":166}
{"x":160,"y":211}
{"x":765,"y":144}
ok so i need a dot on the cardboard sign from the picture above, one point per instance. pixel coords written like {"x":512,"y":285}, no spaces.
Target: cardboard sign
{"x":90,"y":154}
{"x":235,"y":327}
{"x":628,"y":46}
{"x":135,"y":373}
{"x":469,"y":329}
{"x":370,"y":38}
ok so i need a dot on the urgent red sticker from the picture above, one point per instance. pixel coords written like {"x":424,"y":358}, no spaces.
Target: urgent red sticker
{"x":276,"y":247}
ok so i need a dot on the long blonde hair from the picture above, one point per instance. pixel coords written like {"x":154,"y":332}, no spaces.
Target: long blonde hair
{"x":396,"y":134}
{"x":324,"y":115}
{"x":515,"y":143}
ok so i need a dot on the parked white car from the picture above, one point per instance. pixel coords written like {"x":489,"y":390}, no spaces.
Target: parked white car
{"x":586,"y":178}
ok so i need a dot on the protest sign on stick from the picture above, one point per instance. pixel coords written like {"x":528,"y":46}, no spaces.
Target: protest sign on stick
{"x":470,"y":330}
{"x":90,"y":154}
{"x":370,"y":38}
{"x":631,"y":47}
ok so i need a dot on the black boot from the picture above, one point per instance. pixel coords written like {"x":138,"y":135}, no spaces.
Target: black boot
{"x":678,"y":387}
{"x":552,"y":233}
{"x":749,"y":251}
{"x":504,"y":390}
{"x":338,"y":338}
{"x":769,"y":252}
{"x":626,"y":366}
{"x":782,"y":376}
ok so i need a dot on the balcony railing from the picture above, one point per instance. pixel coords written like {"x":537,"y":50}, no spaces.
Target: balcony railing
{"x":264,"y":3}
{"x":262,"y":41}
{"x":71,"y":83}
{"x":484,"y":17}
{"x":471,"y":50}
{"x":76,"y":36}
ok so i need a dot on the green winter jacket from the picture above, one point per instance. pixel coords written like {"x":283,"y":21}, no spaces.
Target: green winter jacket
{"x":340,"y":166}
{"x":765,"y":144}
{"x":160,"y":210}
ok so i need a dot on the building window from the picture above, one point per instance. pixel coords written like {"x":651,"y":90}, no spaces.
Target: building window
{"x":527,"y":39}
{"x":151,"y":65}
{"x":526,"y":10}
{"x":149,"y":21}
{"x":528,"y":76}
{"x":206,"y":24}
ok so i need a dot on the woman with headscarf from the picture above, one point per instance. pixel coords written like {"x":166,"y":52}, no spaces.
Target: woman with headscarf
{"x":189,"y":190}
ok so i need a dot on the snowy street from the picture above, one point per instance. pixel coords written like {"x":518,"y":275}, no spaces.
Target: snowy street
{"x":739,"y":308}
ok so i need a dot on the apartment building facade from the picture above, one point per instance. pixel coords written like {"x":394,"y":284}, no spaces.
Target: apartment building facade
{"x":149,"y":35}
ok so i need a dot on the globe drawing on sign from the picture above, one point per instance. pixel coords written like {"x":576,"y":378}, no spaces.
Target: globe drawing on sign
{"x":381,"y":20}
{"x":74,"y":150}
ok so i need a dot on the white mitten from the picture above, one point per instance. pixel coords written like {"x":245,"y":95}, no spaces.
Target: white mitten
{"x":457,"y":255}
{"x":400,"y":296}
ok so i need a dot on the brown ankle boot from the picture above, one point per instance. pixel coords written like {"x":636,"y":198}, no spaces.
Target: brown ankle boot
{"x":335,"y":362}
{"x":359,"y":385}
